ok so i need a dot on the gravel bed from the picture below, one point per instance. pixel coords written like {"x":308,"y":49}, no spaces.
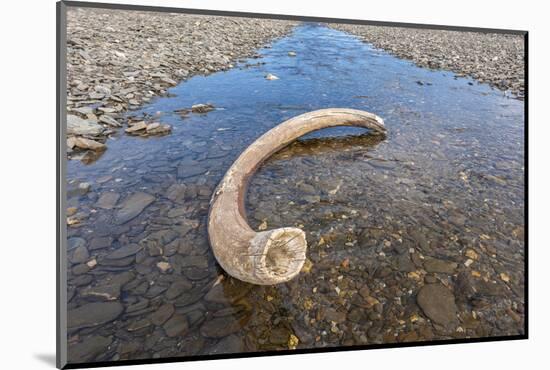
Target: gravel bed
{"x":492,"y":58}
{"x":118,"y":60}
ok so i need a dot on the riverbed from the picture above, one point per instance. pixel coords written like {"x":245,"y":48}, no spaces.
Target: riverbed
{"x":415,"y":236}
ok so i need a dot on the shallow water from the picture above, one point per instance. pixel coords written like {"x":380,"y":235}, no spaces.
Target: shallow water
{"x":446,"y":183}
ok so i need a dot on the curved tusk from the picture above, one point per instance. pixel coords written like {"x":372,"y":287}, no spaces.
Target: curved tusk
{"x":272,"y":256}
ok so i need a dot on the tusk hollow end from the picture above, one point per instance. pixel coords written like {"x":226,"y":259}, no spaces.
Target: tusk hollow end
{"x":279,"y":255}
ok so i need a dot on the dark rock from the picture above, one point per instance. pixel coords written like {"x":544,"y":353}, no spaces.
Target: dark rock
{"x":228,"y":311}
{"x":228,"y":291}
{"x":364,"y":291}
{"x":332,"y":315}
{"x":176,"y":326}
{"x":356,"y":315}
{"x":195,"y":317}
{"x":108,"y":200}
{"x":108,"y":292}
{"x":176,"y":192}
{"x":229,"y":344}
{"x":439,"y":266}
{"x":403,"y":263}
{"x":124,"y":251}
{"x":80,"y":269}
{"x":279,"y":336}
{"x":464,"y":287}
{"x":82,"y":280}
{"x":163,"y":313}
{"x":189,"y":297}
{"x":177,"y":288}
{"x":155,"y":291}
{"x":79,"y":255}
{"x":75,"y":242}
{"x":121,"y":262}
{"x":88,"y":348}
{"x":162,"y":237}
{"x":191,"y":261}
{"x":489,"y":289}
{"x":185,"y":170}
{"x":126,"y":348}
{"x":220,"y":327}
{"x":100,"y":243}
{"x":154,"y":249}
{"x":196,"y":273}
{"x":193,"y":344}
{"x":138,"y":325}
{"x":93,"y":314}
{"x":430,"y":279}
{"x":438,"y":303}
{"x":109,"y":289}
{"x":137,"y":306}
{"x":171,"y":248}
{"x":133,"y":206}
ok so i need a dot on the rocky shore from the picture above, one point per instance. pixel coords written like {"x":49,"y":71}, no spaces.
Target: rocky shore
{"x":118,"y":60}
{"x":492,"y":58}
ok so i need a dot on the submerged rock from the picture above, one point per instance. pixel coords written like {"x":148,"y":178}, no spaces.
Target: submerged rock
{"x":108,"y":200}
{"x":75,"y":242}
{"x":101,"y":242}
{"x":133,"y":206}
{"x":440,"y":266}
{"x":93,"y":314}
{"x":177,"y":288}
{"x":125,"y":251}
{"x":176,"y":326}
{"x":228,"y":291}
{"x":163,"y":313}
{"x":88,"y":348}
{"x":80,"y":255}
{"x":220,"y":327}
{"x":229,"y":344}
{"x":438,"y":303}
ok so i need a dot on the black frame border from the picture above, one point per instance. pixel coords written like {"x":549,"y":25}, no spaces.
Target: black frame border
{"x":61,"y":247}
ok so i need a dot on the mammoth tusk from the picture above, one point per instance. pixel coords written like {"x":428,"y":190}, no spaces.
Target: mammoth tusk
{"x":271,"y":256}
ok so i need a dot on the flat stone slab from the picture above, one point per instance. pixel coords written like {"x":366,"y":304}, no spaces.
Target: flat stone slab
{"x":440,"y":266}
{"x":133,"y":206}
{"x":88,"y":349}
{"x":79,"y":126}
{"x":438,"y":303}
{"x":93,"y":314}
{"x":108,"y":200}
{"x":124,"y":251}
{"x":220,"y":327}
{"x":75,"y":242}
{"x":229,"y":344}
{"x":176,"y":326}
{"x":162,"y":314}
